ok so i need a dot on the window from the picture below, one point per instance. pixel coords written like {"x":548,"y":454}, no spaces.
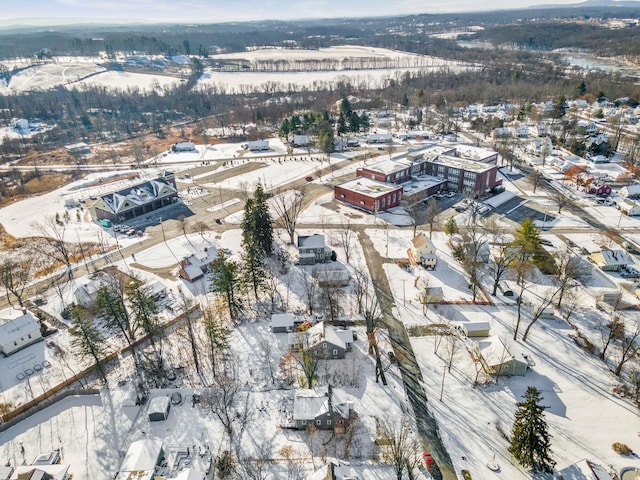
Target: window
{"x":29,"y":335}
{"x":15,"y":344}
{"x":318,"y":422}
{"x":383,"y":202}
{"x":342,"y":195}
{"x":373,"y":177}
{"x":304,"y":422}
{"x":328,"y":422}
{"x":335,"y":352}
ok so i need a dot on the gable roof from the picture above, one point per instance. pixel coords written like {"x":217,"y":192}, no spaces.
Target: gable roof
{"x":421,"y":240}
{"x":136,"y":195}
{"x":311,"y":241}
{"x":310,"y":403}
{"x":17,"y":328}
{"x":142,"y":455}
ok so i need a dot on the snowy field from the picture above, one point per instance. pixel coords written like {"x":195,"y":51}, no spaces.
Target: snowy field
{"x":50,"y":75}
{"x":121,"y":81}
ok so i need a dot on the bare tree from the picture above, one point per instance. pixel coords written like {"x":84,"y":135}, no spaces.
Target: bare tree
{"x":310,"y":285}
{"x":200,"y":227}
{"x":560,"y":199}
{"x":258,"y":467}
{"x":538,"y":312}
{"x":534,"y":177}
{"x":216,"y":335}
{"x":370,"y":309}
{"x":287,"y":205}
{"x":474,"y":241}
{"x":399,"y":442}
{"x":53,"y":233}
{"x":611,"y":330}
{"x":628,"y":347}
{"x":346,"y":237}
{"x":569,"y":269}
{"x":14,"y":277}
{"x":431,"y":215}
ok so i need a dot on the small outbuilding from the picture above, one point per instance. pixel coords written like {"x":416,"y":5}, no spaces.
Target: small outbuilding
{"x":498,"y":359}
{"x":18,"y":333}
{"x":282,"y":323}
{"x":159,"y":409}
{"x":476,"y":329}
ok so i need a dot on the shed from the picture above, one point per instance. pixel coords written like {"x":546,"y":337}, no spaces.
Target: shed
{"x":498,"y":359}
{"x":282,"y":323}
{"x":141,"y":460}
{"x":159,"y":409}
{"x":476,"y":329}
{"x":19,"y":333}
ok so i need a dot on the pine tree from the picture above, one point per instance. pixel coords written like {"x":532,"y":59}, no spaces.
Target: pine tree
{"x":225,"y":282}
{"x":254,"y":273}
{"x":257,"y":226}
{"x":530,"y":438}
{"x":86,"y":338}
{"x":143,"y":308}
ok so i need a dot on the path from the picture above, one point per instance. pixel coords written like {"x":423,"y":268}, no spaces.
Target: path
{"x":411,"y":375}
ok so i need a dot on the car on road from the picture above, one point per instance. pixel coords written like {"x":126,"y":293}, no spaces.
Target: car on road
{"x":308,"y":178}
{"x":450,"y":194}
{"x":544,"y":241}
{"x":218,"y":221}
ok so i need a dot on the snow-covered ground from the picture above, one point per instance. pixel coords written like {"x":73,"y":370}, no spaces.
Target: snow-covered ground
{"x":121,"y":81}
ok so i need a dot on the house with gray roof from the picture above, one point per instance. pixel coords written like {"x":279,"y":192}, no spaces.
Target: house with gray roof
{"x":326,"y":341}
{"x":312,"y":249}
{"x":325,"y":408}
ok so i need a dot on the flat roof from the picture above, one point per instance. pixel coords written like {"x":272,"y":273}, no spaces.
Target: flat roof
{"x":474,"y":153}
{"x":389,"y":166}
{"x":371,"y":188}
{"x":463,"y":163}
{"x":423,"y":182}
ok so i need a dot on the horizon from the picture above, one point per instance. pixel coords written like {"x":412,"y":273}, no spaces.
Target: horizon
{"x":66,"y":12}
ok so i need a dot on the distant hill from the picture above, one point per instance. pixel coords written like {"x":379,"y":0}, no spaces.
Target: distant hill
{"x":592,"y":3}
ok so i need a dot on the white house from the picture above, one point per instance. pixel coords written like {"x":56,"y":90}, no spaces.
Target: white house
{"x":18,"y":333}
{"x":629,"y":207}
{"x":423,"y":251}
{"x":87,"y":294}
{"x":183,"y":147}
{"x":41,"y":472}
{"x":631,"y":191}
{"x":141,"y":460}
{"x":476,"y":329}
{"x":282,"y":322}
{"x":256,"y":145}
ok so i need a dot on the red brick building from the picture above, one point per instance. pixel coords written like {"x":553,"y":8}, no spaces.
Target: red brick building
{"x":464,"y":175}
{"x":370,"y":195}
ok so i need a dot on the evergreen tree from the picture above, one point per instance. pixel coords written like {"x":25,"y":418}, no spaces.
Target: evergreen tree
{"x":342,"y":124}
{"x":345,"y":107}
{"x":86,"y":338}
{"x":254,"y":273}
{"x":530,"y":438}
{"x":143,"y":308}
{"x":451,"y":227}
{"x":225,"y":282}
{"x":354,"y":122}
{"x":257,"y":226}
{"x":111,"y":307}
{"x":285,"y":129}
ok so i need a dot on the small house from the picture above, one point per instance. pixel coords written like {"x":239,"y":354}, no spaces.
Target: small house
{"x":194,"y":266}
{"x":631,"y":191}
{"x":585,"y":470}
{"x":498,"y":359}
{"x":141,"y":460}
{"x":282,"y":323}
{"x":159,"y":408}
{"x":41,"y":472}
{"x":18,"y":333}
{"x":600,"y":189}
{"x":301,"y":141}
{"x":335,"y":276}
{"x":423,"y":251}
{"x":183,"y":147}
{"x":611,"y":260}
{"x":312,"y":249}
{"x":629,"y":207}
{"x":476,"y":329}
{"x":47,"y":458}
{"x":86,"y":295}
{"x":325,"y":408}
{"x":326,"y":341}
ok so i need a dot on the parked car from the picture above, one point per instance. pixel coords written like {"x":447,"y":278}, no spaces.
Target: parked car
{"x":544,"y":241}
{"x":308,"y":178}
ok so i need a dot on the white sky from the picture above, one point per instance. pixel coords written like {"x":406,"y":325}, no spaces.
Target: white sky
{"x":208,"y":11}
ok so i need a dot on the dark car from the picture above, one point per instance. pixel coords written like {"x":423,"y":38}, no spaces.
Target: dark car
{"x":218,"y":221}
{"x":309,"y":178}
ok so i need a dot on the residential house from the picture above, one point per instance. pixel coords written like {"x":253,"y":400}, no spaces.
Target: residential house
{"x":19,"y":332}
{"x":86,"y":295}
{"x":141,"y":460}
{"x":600,"y":189}
{"x":335,"y":275}
{"x":301,"y":141}
{"x":195,"y":266}
{"x":585,"y":470}
{"x":79,"y":148}
{"x":312,"y":249}
{"x":497,"y":359}
{"x":326,"y":341}
{"x":611,"y":260}
{"x":629,"y":207}
{"x":41,"y":472}
{"x":325,"y":408}
{"x":423,"y":251}
{"x":256,"y":145}
{"x":379,"y":138}
{"x":631,"y":191}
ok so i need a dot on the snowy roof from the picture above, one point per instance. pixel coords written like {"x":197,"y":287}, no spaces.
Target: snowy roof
{"x":310,"y":403}
{"x":371,"y":188}
{"x":140,"y":194}
{"x":475,"y":326}
{"x":311,"y":241}
{"x":282,"y":320}
{"x":585,"y":470}
{"x":57,"y":472}
{"x":188,"y":474}
{"x":463,"y":163}
{"x":389,"y":166}
{"x":142,"y":455}
{"x":17,"y":328}
{"x":495,"y":352}
{"x":474,"y":153}
{"x":159,"y":405}
{"x":91,"y":288}
{"x":192,"y":271}
{"x":421,"y":240}
{"x":612,"y":258}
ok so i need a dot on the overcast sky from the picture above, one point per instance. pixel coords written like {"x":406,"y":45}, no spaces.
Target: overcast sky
{"x":207,"y":11}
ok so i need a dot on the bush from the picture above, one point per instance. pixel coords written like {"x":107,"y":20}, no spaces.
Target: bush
{"x":334,"y":256}
{"x":621,"y":448}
